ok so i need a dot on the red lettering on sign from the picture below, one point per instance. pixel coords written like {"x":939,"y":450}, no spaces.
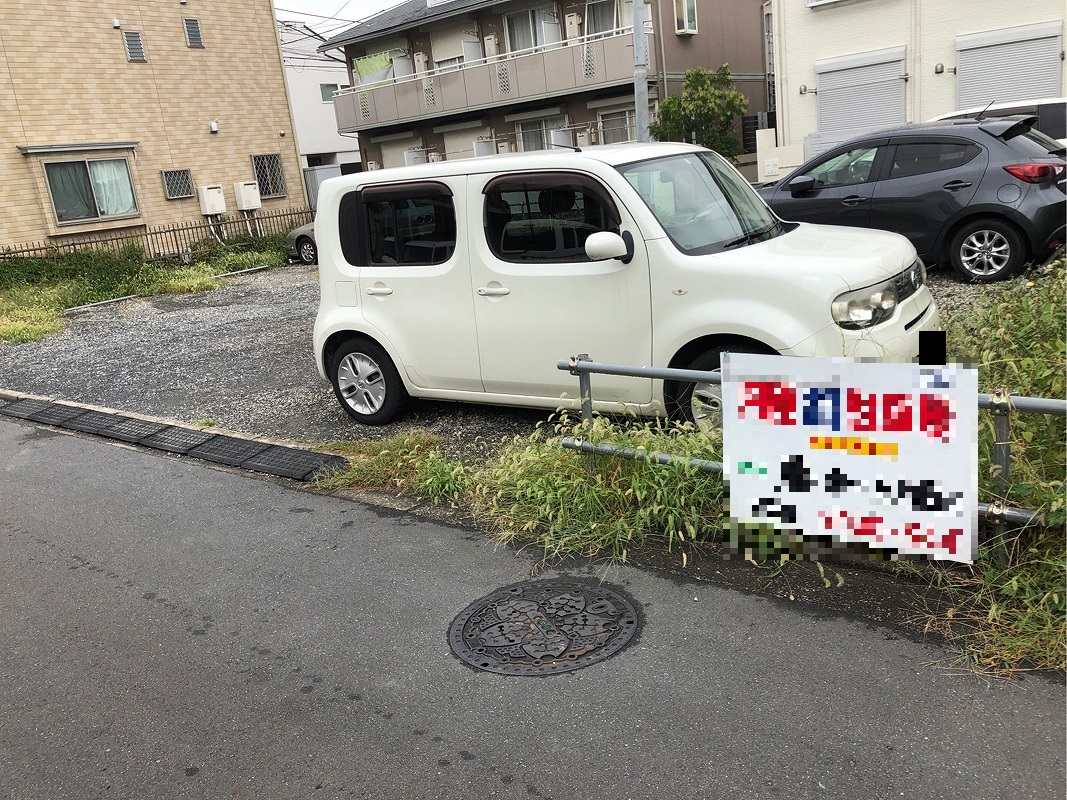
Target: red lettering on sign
{"x":935,"y":416}
{"x":896,"y":413}
{"x":861,"y":411}
{"x":772,"y":401}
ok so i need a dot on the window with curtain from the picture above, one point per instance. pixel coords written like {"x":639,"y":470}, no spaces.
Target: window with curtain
{"x":88,"y":190}
{"x":600,"y":17}
{"x":528,"y":28}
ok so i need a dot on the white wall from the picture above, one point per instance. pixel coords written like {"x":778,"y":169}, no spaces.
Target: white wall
{"x":927,"y":28}
{"x":305,"y":71}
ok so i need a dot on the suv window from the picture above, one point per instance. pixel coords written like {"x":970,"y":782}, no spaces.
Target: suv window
{"x":545,"y":216}
{"x":701,"y":202}
{"x":404,"y":224}
{"x":923,"y":157}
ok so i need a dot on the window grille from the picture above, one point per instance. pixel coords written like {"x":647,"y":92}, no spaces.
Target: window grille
{"x":134,"y":46}
{"x":268,"y":169}
{"x":193,"y":35}
{"x":177,"y":183}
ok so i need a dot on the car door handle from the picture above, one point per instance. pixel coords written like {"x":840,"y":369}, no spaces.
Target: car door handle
{"x":853,"y":200}
{"x":493,"y":291}
{"x":955,"y":186}
{"x":379,"y":290}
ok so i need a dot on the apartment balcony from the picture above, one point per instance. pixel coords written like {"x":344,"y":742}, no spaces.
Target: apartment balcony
{"x":541,"y":73}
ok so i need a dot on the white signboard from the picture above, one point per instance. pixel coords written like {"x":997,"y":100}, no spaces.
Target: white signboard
{"x":880,"y":454}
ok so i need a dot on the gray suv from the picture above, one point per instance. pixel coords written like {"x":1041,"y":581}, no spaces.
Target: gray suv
{"x":983,"y":195}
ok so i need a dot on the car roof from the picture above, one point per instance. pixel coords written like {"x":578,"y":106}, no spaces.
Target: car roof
{"x":559,"y":158}
{"x":992,"y":125}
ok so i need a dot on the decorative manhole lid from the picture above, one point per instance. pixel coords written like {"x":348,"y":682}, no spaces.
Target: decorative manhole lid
{"x":543,"y":627}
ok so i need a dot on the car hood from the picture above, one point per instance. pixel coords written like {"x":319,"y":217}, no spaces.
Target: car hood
{"x":858,"y":256}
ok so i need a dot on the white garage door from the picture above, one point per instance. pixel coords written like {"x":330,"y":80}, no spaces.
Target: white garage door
{"x":1010,"y":64}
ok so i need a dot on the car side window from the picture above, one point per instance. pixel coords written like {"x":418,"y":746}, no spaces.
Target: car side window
{"x":545,"y":217}
{"x":845,"y":169}
{"x":404,"y":225}
{"x":923,"y":157}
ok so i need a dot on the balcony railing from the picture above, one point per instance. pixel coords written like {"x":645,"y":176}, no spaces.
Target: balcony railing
{"x":590,"y":62}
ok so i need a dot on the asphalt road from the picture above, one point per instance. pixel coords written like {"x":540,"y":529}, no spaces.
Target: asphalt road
{"x":170,"y":630}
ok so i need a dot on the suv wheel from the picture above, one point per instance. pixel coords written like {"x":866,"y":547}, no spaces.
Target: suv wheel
{"x":366,"y":382}
{"x":987,"y":250}
{"x":701,"y":403}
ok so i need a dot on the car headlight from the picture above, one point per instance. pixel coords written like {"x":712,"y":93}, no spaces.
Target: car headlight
{"x":865,"y":307}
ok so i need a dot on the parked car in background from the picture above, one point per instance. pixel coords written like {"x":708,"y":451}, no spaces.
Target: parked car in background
{"x":301,"y":244}
{"x":1051,"y":113}
{"x":984,"y":196}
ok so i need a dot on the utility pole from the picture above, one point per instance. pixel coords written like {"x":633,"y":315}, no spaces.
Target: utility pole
{"x":640,"y":71}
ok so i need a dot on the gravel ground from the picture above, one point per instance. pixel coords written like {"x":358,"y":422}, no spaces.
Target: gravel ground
{"x":241,"y":356}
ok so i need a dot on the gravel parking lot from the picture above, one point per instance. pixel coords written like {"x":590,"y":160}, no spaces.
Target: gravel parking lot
{"x":241,"y":356}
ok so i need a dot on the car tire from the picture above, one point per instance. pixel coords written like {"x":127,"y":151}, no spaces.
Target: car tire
{"x":987,"y":250}
{"x":306,"y":251}
{"x":701,"y":403}
{"x":366,"y":382}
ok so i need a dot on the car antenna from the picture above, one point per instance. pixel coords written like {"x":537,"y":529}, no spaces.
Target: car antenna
{"x":569,"y":146}
{"x":982,"y":112}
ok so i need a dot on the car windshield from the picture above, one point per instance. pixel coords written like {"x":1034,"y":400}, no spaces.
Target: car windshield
{"x":701,"y":203}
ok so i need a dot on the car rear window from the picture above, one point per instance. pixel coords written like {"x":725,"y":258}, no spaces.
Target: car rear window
{"x":1034,"y":143}
{"x":924,"y":157}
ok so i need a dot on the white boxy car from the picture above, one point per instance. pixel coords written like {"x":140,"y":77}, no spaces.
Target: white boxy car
{"x":469,"y":280}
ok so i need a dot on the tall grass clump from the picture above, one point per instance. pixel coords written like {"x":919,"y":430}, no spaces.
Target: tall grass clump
{"x":1010,"y":607}
{"x":535,"y":490}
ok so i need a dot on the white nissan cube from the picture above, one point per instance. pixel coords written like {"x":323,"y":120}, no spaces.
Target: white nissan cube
{"x":469,"y":280}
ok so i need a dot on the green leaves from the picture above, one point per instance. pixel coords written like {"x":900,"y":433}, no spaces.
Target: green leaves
{"x":705,"y":112}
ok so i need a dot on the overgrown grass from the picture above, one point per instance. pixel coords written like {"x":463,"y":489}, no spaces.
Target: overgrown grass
{"x":34,"y":292}
{"x":1010,"y":607}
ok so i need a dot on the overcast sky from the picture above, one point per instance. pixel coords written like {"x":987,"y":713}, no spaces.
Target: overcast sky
{"x":330,"y":17}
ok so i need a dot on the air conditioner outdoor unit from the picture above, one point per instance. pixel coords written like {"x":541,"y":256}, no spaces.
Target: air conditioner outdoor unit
{"x":373,"y":165}
{"x":212,"y":200}
{"x":437,"y":157}
{"x":484,"y":147}
{"x":503,"y":146}
{"x":247,"y":194}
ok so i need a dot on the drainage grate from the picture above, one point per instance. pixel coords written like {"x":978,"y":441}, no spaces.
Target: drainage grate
{"x":24,"y":409}
{"x":286,"y":462}
{"x":92,"y":422}
{"x":56,"y":414}
{"x":224,"y":450}
{"x":133,"y":430}
{"x":543,"y":627}
{"x":176,"y":440}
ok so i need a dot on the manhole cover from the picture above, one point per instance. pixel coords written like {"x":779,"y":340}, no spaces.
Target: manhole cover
{"x":543,"y":627}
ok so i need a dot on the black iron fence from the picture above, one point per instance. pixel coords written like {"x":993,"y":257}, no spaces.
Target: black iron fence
{"x":179,"y":240}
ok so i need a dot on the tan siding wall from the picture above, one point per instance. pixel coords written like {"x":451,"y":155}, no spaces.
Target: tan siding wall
{"x":64,"y":79}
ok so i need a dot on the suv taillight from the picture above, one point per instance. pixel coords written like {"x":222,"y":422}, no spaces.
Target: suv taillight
{"x":1035,"y":173}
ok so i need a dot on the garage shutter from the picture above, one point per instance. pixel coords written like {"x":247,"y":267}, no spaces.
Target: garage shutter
{"x":1027,"y":66}
{"x":870,"y":96}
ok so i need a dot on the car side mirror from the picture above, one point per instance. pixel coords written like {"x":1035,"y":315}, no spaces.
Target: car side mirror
{"x":603,"y":245}
{"x":801,"y":184}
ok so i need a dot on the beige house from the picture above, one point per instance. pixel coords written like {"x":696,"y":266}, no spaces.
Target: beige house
{"x":446,"y":79}
{"x":114,"y":117}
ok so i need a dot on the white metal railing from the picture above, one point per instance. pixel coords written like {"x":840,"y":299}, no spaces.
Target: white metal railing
{"x":494,"y":59}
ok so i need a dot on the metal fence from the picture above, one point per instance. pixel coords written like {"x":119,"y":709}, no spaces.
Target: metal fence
{"x":180,"y":240}
{"x":1001,"y":403}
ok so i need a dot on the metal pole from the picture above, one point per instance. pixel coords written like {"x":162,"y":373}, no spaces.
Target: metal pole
{"x":640,"y":72}
{"x":1000,"y":402}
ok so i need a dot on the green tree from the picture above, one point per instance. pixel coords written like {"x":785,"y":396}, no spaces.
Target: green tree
{"x":704,"y":113}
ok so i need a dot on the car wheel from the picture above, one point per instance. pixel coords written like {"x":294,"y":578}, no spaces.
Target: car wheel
{"x":366,"y":382}
{"x":306,"y":251}
{"x":987,"y":250}
{"x":701,"y":403}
